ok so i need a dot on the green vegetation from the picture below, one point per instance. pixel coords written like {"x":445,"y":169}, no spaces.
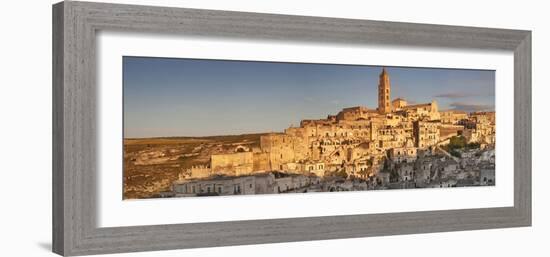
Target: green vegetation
{"x":473,"y":145}
{"x":455,"y":153}
{"x":459,"y":143}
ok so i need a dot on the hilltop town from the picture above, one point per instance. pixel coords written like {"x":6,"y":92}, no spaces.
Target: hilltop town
{"x":396,"y":145}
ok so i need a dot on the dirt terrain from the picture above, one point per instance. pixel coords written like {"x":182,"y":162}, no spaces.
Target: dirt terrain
{"x":152,"y":164}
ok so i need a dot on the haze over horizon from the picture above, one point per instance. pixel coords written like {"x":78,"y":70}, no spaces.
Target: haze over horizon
{"x":169,"y":97}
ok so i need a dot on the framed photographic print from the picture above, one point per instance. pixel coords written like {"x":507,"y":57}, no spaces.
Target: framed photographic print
{"x":183,"y":128}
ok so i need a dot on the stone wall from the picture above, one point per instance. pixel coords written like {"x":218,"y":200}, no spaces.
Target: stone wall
{"x":280,"y":148}
{"x":200,"y":171}
{"x":260,"y":161}
{"x":234,"y":164}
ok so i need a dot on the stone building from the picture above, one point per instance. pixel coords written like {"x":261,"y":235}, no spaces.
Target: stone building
{"x":426,"y":133}
{"x":423,"y":111}
{"x":238,"y":163}
{"x":405,"y":171}
{"x":216,"y":186}
{"x":403,"y":154}
{"x":356,"y":140}
{"x":452,"y":117}
{"x":354,"y":113}
{"x":200,"y":171}
{"x":480,"y":128}
{"x":315,"y":167}
{"x":398,"y":104}
{"x":487,"y":176}
{"x":283,"y":148}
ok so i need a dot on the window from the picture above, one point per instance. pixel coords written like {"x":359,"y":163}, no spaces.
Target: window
{"x":250,"y":185}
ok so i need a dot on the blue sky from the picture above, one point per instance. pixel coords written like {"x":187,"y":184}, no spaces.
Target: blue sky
{"x":192,"y":97}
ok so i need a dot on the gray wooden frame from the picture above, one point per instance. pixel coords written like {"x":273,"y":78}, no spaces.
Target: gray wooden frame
{"x":74,"y":130}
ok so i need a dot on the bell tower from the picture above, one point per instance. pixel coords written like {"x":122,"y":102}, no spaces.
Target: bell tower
{"x":384,"y":105}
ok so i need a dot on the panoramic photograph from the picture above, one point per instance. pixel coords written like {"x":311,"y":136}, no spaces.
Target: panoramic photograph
{"x":199,"y":127}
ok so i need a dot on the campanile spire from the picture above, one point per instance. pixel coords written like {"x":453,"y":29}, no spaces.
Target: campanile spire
{"x":384,"y":91}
